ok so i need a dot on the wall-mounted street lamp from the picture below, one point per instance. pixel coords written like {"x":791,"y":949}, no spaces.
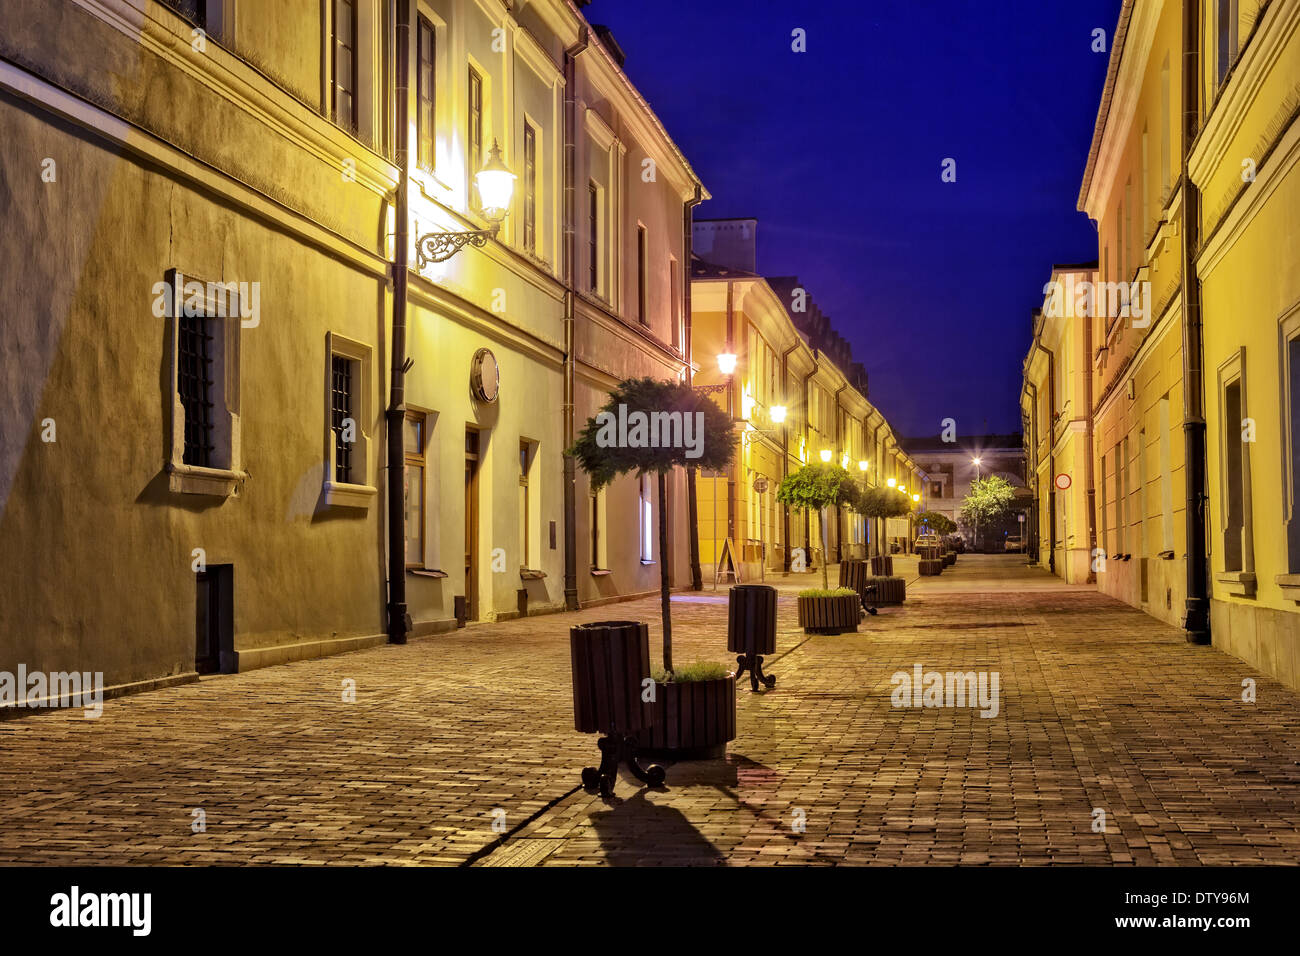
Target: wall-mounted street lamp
{"x":726,"y":363}
{"x":496,"y":186}
{"x":863,"y":465}
{"x":777,"y":414}
{"x":826,"y":454}
{"x":916,"y":498}
{"x":891,"y":482}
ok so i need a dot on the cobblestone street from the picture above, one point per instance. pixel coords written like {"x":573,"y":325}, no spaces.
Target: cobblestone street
{"x":1102,"y":709}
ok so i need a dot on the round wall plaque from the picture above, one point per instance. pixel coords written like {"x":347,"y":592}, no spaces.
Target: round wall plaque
{"x":484,"y":376}
{"x":1063,"y":481}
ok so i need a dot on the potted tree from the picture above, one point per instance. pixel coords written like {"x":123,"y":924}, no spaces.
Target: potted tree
{"x":820,"y":487}
{"x":988,"y":499}
{"x":651,"y":427}
{"x":883,"y":502}
{"x":941,"y":526}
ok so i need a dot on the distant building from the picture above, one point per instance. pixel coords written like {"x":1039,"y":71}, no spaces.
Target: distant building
{"x":951,"y":467}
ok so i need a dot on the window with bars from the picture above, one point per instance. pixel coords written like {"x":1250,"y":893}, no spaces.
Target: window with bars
{"x":593,"y":235}
{"x":345,"y":63}
{"x":425,"y":89}
{"x":195,"y":380}
{"x":413,"y":485}
{"x":342,"y":373}
{"x":530,"y":188}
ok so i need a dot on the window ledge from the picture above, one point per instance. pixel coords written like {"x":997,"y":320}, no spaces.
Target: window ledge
{"x":427,"y":572}
{"x":1240,"y":583}
{"x":341,"y":495}
{"x":197,"y":480}
{"x":644,"y":561}
{"x":528,"y":574}
{"x":1290,"y":585}
{"x":600,"y":572}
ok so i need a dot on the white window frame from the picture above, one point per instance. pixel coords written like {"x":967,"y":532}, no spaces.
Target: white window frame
{"x":349,"y":494}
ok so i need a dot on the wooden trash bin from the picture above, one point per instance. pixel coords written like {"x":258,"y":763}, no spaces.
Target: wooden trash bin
{"x":751,"y":630}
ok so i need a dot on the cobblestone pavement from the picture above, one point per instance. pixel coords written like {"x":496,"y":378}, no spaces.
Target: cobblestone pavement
{"x":1101,"y":709}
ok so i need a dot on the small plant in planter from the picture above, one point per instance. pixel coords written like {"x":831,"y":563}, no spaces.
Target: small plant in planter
{"x":818,"y":487}
{"x":828,"y":610}
{"x":689,"y":716}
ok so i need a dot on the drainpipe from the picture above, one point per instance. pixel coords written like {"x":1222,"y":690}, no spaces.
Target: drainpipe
{"x":1051,"y":454}
{"x":807,"y":521}
{"x":1196,"y":622}
{"x":880,"y":478}
{"x":839,"y":450}
{"x":399,"y":621}
{"x":688,"y":349}
{"x":785,"y":454}
{"x":570,"y":356}
{"x":731,"y":414}
{"x":1089,"y":466}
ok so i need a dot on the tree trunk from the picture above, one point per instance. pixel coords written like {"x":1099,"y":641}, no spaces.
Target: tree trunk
{"x":826,"y":552}
{"x":663,"y":572}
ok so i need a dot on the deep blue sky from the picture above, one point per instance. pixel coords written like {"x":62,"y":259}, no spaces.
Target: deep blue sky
{"x":837,"y":153}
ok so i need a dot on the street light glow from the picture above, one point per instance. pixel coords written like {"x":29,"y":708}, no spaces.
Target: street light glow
{"x":826,"y":454}
{"x":863,"y":465}
{"x":726,"y":363}
{"x":891,"y":482}
{"x":777,"y":413}
{"x":496,"y":184}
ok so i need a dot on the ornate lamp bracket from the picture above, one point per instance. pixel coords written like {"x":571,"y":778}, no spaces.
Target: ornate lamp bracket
{"x":441,"y":246}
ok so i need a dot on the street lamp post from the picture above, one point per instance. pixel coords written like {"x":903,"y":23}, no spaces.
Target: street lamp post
{"x":976,"y":463}
{"x":496,"y":186}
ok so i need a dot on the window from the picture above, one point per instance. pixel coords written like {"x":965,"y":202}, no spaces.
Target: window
{"x":646,"y":512}
{"x":196,"y":11}
{"x":1291,"y":427}
{"x":597,"y":523}
{"x":593,"y":235}
{"x":1235,"y":469}
{"x":195,"y":382}
{"x":347,"y":406}
{"x":1226,"y":34}
{"x":641,"y":314}
{"x":1122,"y":506}
{"x":345,"y":63}
{"x":675,"y":290}
{"x":530,"y":188}
{"x":475,"y":139}
{"x":1104,"y":512}
{"x":525,"y":511}
{"x":1144,"y":213}
{"x":1166,"y":478}
{"x":1165,"y":172}
{"x":413,"y":437}
{"x":424,"y":93}
{"x":341,"y":419}
{"x":203,"y":326}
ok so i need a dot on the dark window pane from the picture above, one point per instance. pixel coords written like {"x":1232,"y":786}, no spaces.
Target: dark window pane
{"x":194,"y":382}
{"x":341,"y":412}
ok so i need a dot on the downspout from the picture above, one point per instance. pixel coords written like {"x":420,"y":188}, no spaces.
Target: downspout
{"x":399,"y":621}
{"x":1090,"y":479}
{"x":570,"y":356}
{"x":839,"y":451}
{"x":880,"y":479}
{"x":807,"y":521}
{"x":1196,"y":622}
{"x":731,"y":415}
{"x":785,"y":454}
{"x":692,"y":503}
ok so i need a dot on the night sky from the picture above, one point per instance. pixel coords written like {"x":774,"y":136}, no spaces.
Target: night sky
{"x":837,"y":153}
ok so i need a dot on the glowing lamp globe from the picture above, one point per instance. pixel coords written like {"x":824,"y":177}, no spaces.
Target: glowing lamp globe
{"x":778,"y":413}
{"x":826,"y":454}
{"x":726,"y":363}
{"x":863,"y":464}
{"x":496,"y":185}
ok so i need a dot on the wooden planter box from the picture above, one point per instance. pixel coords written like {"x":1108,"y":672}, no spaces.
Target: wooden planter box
{"x":610,"y":661}
{"x":929,"y":567}
{"x":692,"y":720}
{"x":829,"y":615}
{"x":889,"y":590}
{"x":882,"y":566}
{"x":949,"y":558}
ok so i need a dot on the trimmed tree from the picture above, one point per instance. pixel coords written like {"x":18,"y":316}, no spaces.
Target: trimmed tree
{"x":880,"y":502}
{"x":938,"y":523}
{"x":817,"y":487}
{"x":989,"y":498}
{"x":652,"y":427}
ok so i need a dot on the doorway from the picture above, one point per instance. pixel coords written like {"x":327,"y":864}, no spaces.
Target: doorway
{"x":214,"y":617}
{"x":472,"y":457}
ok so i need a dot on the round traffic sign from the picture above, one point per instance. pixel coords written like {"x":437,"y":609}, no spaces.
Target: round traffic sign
{"x":1063,"y":481}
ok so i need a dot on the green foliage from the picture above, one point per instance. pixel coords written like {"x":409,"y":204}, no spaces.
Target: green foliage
{"x":881,"y":502}
{"x":604,"y":460}
{"x":828,"y":592}
{"x":689,"y":673}
{"x":817,"y":486}
{"x":989,"y":498}
{"x":939,"y":524}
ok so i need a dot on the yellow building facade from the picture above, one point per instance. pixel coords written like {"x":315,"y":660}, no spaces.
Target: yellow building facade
{"x":794,"y":405}
{"x":1192,"y":180}
{"x":199,"y":396}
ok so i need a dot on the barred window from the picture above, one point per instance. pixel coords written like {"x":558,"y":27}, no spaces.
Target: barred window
{"x":196,"y":11}
{"x":530,"y":188}
{"x":194,"y":382}
{"x":593,"y":235}
{"x":341,"y":412}
{"x":425,"y":93}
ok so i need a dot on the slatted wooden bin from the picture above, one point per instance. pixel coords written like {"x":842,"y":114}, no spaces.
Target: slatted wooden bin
{"x":882,"y":565}
{"x":751,"y":619}
{"x":611,"y":660}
